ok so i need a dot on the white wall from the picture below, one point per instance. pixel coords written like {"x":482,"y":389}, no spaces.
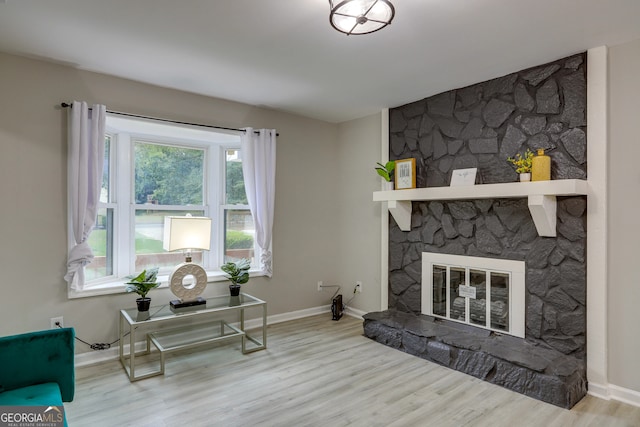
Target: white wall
{"x":624,"y":220}
{"x":33,"y":194}
{"x":358,"y":240}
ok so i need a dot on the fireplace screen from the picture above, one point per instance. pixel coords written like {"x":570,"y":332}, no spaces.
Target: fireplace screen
{"x":484,"y":292}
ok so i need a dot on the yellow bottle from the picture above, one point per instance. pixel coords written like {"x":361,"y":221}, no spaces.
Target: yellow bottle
{"x":541,"y":167}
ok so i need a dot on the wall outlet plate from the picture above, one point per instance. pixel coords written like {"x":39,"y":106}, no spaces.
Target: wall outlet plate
{"x":55,"y":320}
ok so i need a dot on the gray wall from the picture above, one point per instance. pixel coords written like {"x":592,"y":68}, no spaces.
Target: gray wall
{"x":358,"y":239}
{"x":33,"y":189}
{"x":624,"y":203}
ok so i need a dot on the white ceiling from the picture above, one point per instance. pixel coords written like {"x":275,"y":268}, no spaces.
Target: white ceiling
{"x":285,"y":55}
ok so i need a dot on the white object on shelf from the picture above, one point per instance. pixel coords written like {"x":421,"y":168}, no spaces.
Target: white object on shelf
{"x":541,"y":198}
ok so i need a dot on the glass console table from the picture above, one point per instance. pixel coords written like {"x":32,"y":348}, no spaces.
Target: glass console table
{"x":172,"y":330}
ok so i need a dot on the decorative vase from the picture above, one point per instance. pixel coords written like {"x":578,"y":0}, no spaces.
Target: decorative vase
{"x":541,"y":167}
{"x":234,"y":290}
{"x":525,"y":177}
{"x":388,"y":185}
{"x":143,"y":304}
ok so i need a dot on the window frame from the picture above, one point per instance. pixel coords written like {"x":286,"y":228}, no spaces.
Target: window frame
{"x":121,"y":197}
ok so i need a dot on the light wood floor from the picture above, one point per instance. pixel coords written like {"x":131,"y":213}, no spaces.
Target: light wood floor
{"x":316,"y":372}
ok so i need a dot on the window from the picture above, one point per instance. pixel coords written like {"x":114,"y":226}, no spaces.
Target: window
{"x":101,"y":238}
{"x":153,"y":170}
{"x":239,"y":230}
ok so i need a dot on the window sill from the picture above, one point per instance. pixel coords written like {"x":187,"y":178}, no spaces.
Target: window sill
{"x":117,"y":286}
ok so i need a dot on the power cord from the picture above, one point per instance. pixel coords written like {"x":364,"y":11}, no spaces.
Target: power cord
{"x":332,"y":286}
{"x":344,"y":304}
{"x":97,"y":346}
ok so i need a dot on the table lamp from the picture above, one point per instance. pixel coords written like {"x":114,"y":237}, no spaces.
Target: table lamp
{"x":187,"y":233}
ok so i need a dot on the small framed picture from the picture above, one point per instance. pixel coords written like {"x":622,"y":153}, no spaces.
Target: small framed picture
{"x":462,"y":177}
{"x":405,"y":174}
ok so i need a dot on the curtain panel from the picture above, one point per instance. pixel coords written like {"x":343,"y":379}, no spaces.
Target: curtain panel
{"x":85,"y":158}
{"x":259,"y":170}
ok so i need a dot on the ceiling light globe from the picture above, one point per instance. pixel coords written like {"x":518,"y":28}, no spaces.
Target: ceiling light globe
{"x":360,"y":16}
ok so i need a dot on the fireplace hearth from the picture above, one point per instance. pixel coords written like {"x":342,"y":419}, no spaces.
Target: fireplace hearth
{"x":530,"y":368}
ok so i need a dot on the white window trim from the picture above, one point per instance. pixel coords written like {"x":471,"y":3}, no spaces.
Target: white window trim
{"x":124,"y":208}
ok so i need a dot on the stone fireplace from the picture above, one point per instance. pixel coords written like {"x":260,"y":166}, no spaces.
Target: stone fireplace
{"x":479,"y":127}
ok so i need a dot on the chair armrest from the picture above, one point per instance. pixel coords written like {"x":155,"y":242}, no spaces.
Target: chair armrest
{"x":39,"y":357}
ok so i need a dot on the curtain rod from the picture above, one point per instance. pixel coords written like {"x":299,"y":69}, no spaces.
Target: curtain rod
{"x":137,"y":116}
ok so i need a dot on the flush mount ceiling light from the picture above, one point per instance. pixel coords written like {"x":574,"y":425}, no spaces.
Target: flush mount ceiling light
{"x":360,"y":16}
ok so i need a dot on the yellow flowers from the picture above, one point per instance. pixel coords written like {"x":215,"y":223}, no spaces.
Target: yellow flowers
{"x":522,"y":163}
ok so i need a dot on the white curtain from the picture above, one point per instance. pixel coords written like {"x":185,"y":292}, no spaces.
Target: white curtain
{"x":259,"y":170}
{"x":85,"y":159}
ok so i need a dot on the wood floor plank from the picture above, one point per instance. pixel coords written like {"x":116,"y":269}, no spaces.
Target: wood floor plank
{"x":316,"y":372}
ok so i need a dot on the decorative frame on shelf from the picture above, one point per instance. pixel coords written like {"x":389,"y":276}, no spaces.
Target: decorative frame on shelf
{"x":405,"y":174}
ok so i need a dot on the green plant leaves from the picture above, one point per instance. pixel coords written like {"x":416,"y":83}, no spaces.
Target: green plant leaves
{"x":238,"y":271}
{"x":143,"y":282}
{"x":386,"y":170}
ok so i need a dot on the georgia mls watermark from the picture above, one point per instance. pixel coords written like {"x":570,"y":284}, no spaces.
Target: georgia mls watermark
{"x":31,"y":416}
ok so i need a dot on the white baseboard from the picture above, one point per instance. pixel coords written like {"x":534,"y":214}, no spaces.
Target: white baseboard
{"x":354,"y":312}
{"x":598,"y":390}
{"x":612,"y":391}
{"x":285,"y":317}
{"x":99,"y":356}
{"x":625,"y":395}
{"x":93,"y":357}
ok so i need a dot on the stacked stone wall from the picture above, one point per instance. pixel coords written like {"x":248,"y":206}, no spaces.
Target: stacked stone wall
{"x":481,"y":126}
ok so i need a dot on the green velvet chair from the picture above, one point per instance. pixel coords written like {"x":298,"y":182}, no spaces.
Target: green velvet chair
{"x":37,"y":368}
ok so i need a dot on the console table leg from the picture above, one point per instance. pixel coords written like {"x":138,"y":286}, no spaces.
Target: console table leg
{"x":132,"y":353}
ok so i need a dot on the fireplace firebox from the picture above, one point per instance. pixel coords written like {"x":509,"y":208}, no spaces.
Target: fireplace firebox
{"x":485,"y":292}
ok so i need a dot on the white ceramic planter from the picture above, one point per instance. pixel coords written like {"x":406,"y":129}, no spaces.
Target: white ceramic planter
{"x":525,"y":177}
{"x":388,"y":185}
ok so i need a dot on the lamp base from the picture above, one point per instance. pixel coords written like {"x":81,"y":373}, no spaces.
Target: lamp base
{"x":176,"y":303}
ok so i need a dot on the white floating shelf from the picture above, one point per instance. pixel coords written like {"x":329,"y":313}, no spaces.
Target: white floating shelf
{"x":541,"y":197}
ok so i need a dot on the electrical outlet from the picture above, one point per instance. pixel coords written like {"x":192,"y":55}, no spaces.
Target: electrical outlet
{"x":58,"y":320}
{"x":359,"y":287}
{"x":319,"y":285}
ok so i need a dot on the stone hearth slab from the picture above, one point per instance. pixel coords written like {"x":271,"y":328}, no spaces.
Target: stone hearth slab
{"x":514,"y":363}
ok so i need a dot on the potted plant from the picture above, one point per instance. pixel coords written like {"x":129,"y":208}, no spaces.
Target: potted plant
{"x":386,"y":172}
{"x":142,"y":284}
{"x":238,"y":274}
{"x":523,"y":164}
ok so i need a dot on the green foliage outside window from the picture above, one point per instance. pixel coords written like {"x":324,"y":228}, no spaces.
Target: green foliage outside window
{"x":238,"y":240}
{"x":235,"y":184}
{"x":168,"y":175}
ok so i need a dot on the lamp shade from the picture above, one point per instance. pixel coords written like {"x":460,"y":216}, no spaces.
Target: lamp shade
{"x":186,"y":232}
{"x":360,"y":16}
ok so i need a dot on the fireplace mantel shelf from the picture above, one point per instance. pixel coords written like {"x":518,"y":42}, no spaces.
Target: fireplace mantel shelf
{"x":541,"y":197}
